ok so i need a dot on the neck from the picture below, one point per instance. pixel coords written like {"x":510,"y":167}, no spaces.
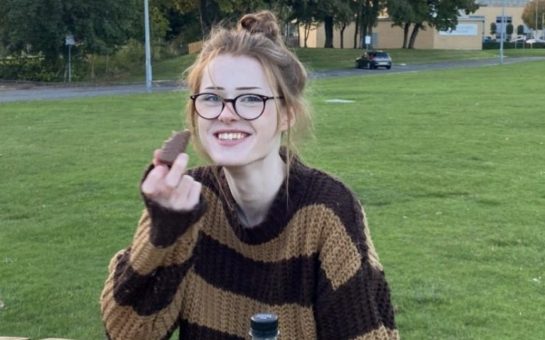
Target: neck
{"x":254,"y":186}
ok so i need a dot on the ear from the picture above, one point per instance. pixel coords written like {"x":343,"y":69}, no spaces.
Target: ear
{"x":287,"y":119}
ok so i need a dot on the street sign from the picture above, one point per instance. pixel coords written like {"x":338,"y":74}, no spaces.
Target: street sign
{"x":69,"y":40}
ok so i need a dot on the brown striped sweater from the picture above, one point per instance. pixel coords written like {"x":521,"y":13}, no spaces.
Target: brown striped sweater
{"x":311,"y":261}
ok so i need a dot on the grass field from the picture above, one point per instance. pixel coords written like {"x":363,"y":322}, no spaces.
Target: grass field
{"x":319,"y":59}
{"x":449,"y":164}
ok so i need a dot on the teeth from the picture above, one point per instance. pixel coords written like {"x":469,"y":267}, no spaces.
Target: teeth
{"x":231,"y":135}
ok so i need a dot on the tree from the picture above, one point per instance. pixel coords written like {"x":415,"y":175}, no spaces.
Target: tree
{"x":345,"y":16}
{"x":39,"y":27}
{"x":339,"y":13}
{"x":509,"y":30}
{"x":368,"y":16}
{"x":493,"y":28}
{"x":440,"y":14}
{"x":305,"y":13}
{"x":404,"y":13}
{"x":326,"y":10}
{"x":533,"y":13}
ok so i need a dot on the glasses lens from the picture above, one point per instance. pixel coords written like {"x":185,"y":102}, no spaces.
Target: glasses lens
{"x":208,"y":105}
{"x":249,"y":106}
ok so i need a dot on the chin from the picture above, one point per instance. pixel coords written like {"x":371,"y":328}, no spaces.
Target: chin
{"x":229,"y":159}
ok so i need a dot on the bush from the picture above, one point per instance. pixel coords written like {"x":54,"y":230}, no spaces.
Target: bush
{"x":87,"y":67}
{"x":495,"y":45}
{"x":32,"y":68}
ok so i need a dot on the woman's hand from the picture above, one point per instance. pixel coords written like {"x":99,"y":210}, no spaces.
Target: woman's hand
{"x":170,"y":188}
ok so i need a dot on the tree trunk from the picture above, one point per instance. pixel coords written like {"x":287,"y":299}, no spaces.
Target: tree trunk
{"x":356,"y":30}
{"x":92,"y":74}
{"x":328,"y":26}
{"x":363,"y":29}
{"x":416,"y":28}
{"x":342,"y":35}
{"x":307,"y":33}
{"x":206,"y":22}
{"x":406,"y":28}
{"x":298,"y":34}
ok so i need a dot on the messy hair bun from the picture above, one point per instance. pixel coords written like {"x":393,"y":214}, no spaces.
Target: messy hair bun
{"x":261,"y":22}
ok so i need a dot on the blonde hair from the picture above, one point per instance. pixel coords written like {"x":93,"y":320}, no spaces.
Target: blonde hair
{"x":257,"y":35}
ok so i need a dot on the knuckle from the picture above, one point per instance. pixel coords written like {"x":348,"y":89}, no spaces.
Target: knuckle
{"x":171,"y":183}
{"x":187,"y":179}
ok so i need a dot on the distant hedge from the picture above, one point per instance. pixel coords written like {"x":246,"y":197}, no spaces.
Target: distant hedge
{"x":28,"y":68}
{"x":495,"y":45}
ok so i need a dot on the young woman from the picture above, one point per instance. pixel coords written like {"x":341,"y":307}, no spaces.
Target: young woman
{"x":255,"y":231}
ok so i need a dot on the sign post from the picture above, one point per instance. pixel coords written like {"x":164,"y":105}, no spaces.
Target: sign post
{"x":502,"y":32}
{"x":69,"y":41}
{"x":367,"y":41}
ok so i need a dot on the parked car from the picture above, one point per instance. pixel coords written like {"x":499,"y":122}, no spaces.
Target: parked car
{"x":535,"y":40}
{"x":518,"y":38}
{"x":488,"y":39}
{"x":374,"y":59}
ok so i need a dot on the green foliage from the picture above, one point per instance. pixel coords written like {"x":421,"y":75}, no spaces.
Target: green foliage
{"x":443,"y":15}
{"x":509,"y":29}
{"x":40,"y":27}
{"x":118,"y":65}
{"x":532,"y":15}
{"x":28,"y":68}
{"x":495,"y":45}
{"x":493,"y":28}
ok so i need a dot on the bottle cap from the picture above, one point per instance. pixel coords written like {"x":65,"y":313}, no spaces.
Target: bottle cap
{"x":264,"y":325}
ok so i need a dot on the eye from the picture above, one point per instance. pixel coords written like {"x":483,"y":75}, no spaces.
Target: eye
{"x":210,"y":98}
{"x":250,"y":99}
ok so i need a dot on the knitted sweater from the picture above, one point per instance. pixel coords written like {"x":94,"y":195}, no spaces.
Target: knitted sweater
{"x":311,"y":261}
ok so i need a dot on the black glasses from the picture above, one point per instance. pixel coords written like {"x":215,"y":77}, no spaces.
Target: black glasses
{"x":247,"y":106}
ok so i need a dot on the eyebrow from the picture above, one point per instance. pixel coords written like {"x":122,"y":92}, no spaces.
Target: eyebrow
{"x":243,"y":88}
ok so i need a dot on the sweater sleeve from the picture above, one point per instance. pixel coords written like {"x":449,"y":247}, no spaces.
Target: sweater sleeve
{"x":141,"y":298}
{"x":353,"y":300}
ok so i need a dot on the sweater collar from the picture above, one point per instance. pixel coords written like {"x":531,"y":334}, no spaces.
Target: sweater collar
{"x":285,"y":204}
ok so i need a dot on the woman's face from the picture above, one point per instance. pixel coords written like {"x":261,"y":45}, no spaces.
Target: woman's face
{"x":230,"y":140}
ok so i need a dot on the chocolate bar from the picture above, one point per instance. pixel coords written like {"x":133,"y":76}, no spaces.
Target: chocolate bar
{"x":174,"y":146}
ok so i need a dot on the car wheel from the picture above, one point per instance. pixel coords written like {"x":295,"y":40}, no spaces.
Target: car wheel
{"x":388,"y":67}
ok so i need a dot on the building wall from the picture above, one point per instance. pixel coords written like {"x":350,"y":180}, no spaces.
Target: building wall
{"x":317,"y":37}
{"x":468,"y":36}
{"x":490,"y":13}
{"x":387,"y":37}
{"x":392,"y":37}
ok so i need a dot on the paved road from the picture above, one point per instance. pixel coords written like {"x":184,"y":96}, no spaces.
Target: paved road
{"x":426,"y":67}
{"x":10,"y":92}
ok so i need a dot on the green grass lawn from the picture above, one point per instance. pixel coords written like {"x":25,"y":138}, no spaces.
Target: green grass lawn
{"x":449,"y":164}
{"x":319,"y":59}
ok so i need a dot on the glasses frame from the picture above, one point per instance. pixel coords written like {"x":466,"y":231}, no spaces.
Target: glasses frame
{"x":233,"y":102}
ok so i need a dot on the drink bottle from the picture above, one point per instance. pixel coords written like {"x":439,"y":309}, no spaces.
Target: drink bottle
{"x":264,"y":326}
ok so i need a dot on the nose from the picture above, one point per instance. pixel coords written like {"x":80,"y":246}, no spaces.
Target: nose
{"x":228,"y":113}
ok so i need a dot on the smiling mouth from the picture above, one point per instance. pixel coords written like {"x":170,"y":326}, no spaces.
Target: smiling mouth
{"x":231,"y":136}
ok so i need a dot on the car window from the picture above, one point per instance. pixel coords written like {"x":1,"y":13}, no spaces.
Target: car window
{"x":382,"y":55}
